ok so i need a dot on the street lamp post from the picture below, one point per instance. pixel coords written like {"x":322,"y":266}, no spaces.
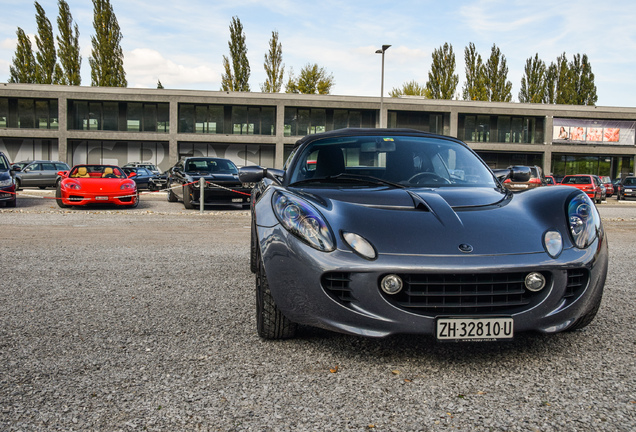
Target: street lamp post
{"x":381,"y":51}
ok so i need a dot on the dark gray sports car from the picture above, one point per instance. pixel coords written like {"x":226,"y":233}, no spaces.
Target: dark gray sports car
{"x":381,"y":231}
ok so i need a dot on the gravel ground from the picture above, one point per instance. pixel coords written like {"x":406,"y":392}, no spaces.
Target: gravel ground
{"x":127,"y":320}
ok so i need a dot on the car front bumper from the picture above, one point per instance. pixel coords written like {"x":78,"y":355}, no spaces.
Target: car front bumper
{"x":78,"y":199}
{"x":340,"y":291}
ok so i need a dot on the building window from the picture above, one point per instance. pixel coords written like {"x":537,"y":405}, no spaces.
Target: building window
{"x":418,"y":120}
{"x":28,"y":113}
{"x":501,"y":129}
{"x":227,"y":119}
{"x":118,"y":116}
{"x":307,"y":121}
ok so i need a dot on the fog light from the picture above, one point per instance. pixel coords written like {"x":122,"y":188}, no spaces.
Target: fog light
{"x":535,"y":282}
{"x":391,"y":284}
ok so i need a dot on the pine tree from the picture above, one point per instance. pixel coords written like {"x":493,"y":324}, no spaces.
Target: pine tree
{"x":46,"y":59}
{"x":274,"y":67}
{"x":68,"y":50}
{"x":442,"y":79}
{"x":533,"y":83}
{"x":107,"y":57}
{"x":312,"y":80}
{"x":411,"y":88}
{"x":584,"y":89}
{"x":159,"y":85}
{"x":237,"y":74}
{"x":24,"y":67}
{"x":559,"y":82}
{"x":475,"y":85}
{"x":497,"y":85}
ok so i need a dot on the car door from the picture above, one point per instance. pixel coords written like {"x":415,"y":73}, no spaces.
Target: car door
{"x":176,"y":180}
{"x":49,"y":174}
{"x":31,"y":175}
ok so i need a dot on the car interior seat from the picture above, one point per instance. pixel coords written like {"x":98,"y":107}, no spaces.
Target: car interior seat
{"x":81,"y":172}
{"x":108,"y":171}
{"x":330,"y":162}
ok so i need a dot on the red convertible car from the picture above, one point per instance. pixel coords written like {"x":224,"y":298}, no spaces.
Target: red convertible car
{"x":96,"y":184}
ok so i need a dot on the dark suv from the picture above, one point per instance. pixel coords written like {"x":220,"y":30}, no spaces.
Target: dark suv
{"x":222,"y":185}
{"x":627,"y":188}
{"x":7,"y":183}
{"x":536,"y":179}
{"x":39,"y":173}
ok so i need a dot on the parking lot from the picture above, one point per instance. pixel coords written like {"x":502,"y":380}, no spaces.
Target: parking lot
{"x":143,"y":319}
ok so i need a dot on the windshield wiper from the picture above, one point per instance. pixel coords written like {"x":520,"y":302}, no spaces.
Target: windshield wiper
{"x":354,"y":177}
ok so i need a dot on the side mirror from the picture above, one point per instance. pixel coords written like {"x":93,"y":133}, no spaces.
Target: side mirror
{"x":519,"y":174}
{"x":132,"y":174}
{"x":254,"y":174}
{"x":16,"y":168}
{"x":62,"y":174}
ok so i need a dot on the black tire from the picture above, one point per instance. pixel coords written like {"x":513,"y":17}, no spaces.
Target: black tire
{"x":586,"y":319}
{"x":58,"y":196}
{"x":17,"y":185}
{"x":253,"y":248}
{"x":42,"y":187}
{"x":187,"y":198}
{"x":171,"y":196}
{"x":136,"y":202}
{"x":270,"y":322}
{"x":11,"y":203}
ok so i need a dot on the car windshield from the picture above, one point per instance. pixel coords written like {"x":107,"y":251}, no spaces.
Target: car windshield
{"x":630,"y":181}
{"x":97,"y":171}
{"x":576,"y":180}
{"x":3,"y":163}
{"x":400,"y":161}
{"x":212,"y":166}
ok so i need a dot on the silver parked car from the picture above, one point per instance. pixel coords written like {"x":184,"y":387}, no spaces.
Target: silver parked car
{"x":39,"y":173}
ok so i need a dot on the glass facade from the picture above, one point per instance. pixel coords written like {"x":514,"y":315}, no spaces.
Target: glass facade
{"x":26,"y":149}
{"x":227,"y":119}
{"x":496,"y":160}
{"x":307,"y":121}
{"x":438,"y":123}
{"x":240,"y":154}
{"x":118,"y":152}
{"x":24,"y":113}
{"x":590,"y":164}
{"x":119,"y":116}
{"x":500,"y":129}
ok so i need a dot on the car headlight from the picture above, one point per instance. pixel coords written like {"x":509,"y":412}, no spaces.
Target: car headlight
{"x":6,"y":183}
{"x":74,"y":186}
{"x":584,"y":221}
{"x":302,"y":220}
{"x":127,"y":186}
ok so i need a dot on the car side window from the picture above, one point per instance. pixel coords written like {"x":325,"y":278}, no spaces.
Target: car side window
{"x":34,"y":167}
{"x":48,"y":167}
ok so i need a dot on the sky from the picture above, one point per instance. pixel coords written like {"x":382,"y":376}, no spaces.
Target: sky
{"x":182,"y":44}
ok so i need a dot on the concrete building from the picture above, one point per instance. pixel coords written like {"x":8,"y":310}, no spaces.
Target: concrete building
{"x":120,"y":125}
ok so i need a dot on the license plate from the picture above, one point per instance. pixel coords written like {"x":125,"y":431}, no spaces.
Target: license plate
{"x":237,"y":199}
{"x":101,"y":198}
{"x":4,"y":195}
{"x":628,"y":190}
{"x":474,"y":328}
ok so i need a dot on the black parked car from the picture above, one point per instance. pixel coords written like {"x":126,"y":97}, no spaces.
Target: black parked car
{"x":39,"y":173}
{"x":7,"y":184}
{"x":627,"y":188}
{"x":158,"y":182}
{"x":222,"y":183}
{"x":142,"y":176}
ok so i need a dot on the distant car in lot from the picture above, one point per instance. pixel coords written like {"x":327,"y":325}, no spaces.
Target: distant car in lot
{"x":158,"y":182}
{"x":7,"y":183}
{"x":401,"y":231}
{"x":535,"y":180}
{"x":550,"y":180}
{"x":96,"y":184}
{"x":39,"y":173}
{"x":627,"y":188}
{"x":142,"y":176}
{"x":609,"y":186}
{"x":148,"y":165}
{"x":222,"y":182}
{"x":590,"y":184}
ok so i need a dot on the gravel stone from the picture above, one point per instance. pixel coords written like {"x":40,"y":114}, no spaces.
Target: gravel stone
{"x":143,"y":319}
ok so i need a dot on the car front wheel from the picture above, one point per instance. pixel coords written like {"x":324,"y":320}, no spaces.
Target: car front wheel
{"x":171,"y":196}
{"x":187,"y":198}
{"x":270,"y":322}
{"x":58,"y":196}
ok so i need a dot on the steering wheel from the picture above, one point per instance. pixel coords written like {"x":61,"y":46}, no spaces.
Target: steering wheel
{"x":428,"y":177}
{"x":110,"y":176}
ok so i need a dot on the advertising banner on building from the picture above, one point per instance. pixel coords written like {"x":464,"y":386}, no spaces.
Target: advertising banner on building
{"x":580,"y":131}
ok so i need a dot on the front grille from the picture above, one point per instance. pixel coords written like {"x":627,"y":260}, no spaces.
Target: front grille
{"x":464,"y":293}
{"x":577,"y":281}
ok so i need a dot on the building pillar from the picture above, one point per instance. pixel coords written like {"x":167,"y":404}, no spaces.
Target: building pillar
{"x":173,"y":143}
{"x":62,"y":133}
{"x":547,"y":140}
{"x":279,"y":153}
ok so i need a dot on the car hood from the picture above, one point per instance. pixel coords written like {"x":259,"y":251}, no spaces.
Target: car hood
{"x":215,"y":177}
{"x":438,"y":221}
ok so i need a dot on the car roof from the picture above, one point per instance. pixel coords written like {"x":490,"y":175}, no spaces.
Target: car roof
{"x":372,"y":132}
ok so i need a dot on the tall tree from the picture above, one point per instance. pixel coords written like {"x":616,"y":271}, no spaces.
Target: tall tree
{"x":582,"y":81}
{"x":274,"y":67}
{"x":411,"y":88}
{"x":237,"y":67}
{"x":23,"y":69}
{"x":533,"y":83}
{"x":68,"y":50}
{"x":559,"y":82}
{"x":497,"y":85}
{"x":312,"y":80}
{"x":107,"y":57}
{"x":442,"y":79}
{"x":46,"y":59}
{"x":475,"y":85}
